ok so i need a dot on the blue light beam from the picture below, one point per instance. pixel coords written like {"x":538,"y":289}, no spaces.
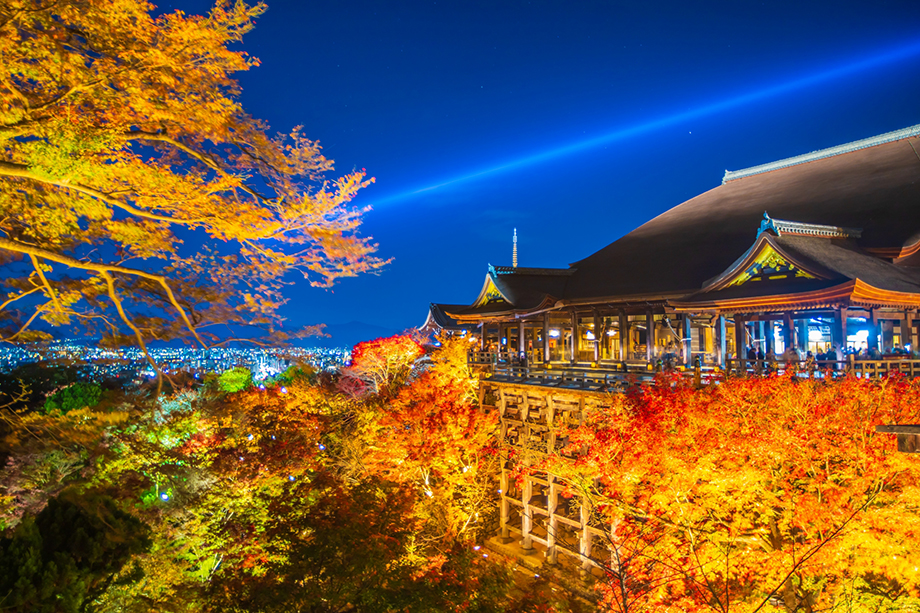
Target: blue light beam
{"x":889,"y":57}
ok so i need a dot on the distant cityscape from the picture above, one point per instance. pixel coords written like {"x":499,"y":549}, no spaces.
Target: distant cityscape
{"x":98,"y":363}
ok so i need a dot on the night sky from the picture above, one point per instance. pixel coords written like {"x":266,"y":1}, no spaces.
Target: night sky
{"x":646,"y":104}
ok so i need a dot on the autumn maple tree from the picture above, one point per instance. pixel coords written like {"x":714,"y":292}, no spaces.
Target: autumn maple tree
{"x":138,"y":199}
{"x":754,"y":494}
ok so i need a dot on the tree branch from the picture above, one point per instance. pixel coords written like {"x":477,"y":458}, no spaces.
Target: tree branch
{"x":201,"y":157}
{"x":817,"y":547}
{"x":31,"y":250}
{"x":12,"y":169}
{"x":22,"y":295}
{"x":41,"y":275}
{"x":113,"y":295}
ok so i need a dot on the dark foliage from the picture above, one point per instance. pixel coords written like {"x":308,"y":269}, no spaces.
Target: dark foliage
{"x":68,"y":554}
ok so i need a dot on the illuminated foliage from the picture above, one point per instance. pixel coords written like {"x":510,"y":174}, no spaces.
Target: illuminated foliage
{"x":235,"y":380}
{"x":754,"y":492}
{"x":77,"y":396}
{"x":383,"y":365}
{"x":123,"y":146}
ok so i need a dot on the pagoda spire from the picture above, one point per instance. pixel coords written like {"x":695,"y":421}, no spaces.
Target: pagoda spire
{"x":514,"y":251}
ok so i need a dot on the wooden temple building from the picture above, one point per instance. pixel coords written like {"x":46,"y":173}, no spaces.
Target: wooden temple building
{"x":810,"y":252}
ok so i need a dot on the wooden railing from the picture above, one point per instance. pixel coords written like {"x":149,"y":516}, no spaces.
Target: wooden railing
{"x":618,"y":378}
{"x":868,"y":369}
{"x":592,"y":379}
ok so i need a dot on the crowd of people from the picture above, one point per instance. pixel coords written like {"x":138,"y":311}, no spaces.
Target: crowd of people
{"x":826,"y":356}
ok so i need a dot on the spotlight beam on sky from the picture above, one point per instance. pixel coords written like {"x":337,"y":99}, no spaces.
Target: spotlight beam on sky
{"x":875,"y":61}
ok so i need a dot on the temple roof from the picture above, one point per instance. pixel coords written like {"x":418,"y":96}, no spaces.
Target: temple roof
{"x":510,"y":290}
{"x":798,"y":266}
{"x":875,"y":188}
{"x":731,"y":175}
{"x":847,"y":219}
{"x":438,"y":317}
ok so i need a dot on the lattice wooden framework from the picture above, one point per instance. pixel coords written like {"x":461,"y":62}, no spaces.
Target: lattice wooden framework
{"x":531,"y":418}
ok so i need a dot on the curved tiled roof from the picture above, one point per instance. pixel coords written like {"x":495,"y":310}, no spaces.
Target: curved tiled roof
{"x":875,"y":188}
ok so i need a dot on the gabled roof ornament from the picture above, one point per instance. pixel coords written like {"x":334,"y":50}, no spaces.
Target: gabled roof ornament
{"x":766,"y":225}
{"x":780,"y":227}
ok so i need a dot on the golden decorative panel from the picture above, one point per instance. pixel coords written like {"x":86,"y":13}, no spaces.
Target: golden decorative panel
{"x":770,"y":266}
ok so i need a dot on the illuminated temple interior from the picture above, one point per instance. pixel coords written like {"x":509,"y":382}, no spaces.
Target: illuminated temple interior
{"x":810,"y":252}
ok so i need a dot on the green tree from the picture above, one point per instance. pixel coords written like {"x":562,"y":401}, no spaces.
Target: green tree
{"x":234,"y":380}
{"x":77,"y":396}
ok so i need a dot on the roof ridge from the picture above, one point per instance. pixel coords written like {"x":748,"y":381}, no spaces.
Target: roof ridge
{"x":523,"y":270}
{"x":881,"y":139}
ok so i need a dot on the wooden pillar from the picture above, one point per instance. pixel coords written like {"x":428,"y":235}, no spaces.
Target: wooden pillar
{"x":873,"y":330}
{"x":522,"y":346}
{"x":584,"y":542}
{"x":546,"y":337}
{"x":768,"y":342}
{"x":505,"y":505}
{"x":505,"y":481}
{"x":552,"y":496}
{"x":907,"y":329}
{"x":575,"y":337}
{"x":839,"y":331}
{"x":598,"y":335}
{"x":482,"y":336}
{"x":650,"y":337}
{"x":688,"y":345}
{"x":739,"y":339}
{"x":721,"y":341}
{"x":803,"y":335}
{"x":624,"y":334}
{"x":526,"y":515}
{"x":788,"y":335}
{"x":915,"y":334}
{"x":762,"y":335}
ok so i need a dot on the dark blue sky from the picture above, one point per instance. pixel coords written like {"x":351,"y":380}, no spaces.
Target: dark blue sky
{"x":421,"y":93}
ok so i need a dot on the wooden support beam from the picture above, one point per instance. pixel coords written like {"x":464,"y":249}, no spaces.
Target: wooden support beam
{"x":788,"y":334}
{"x":575,"y":336}
{"x":526,"y":514}
{"x":505,"y":505}
{"x":552,"y":499}
{"x":522,"y":347}
{"x":584,"y":540}
{"x":740,"y":345}
{"x":872,"y":341}
{"x":802,"y":343}
{"x":650,"y":337}
{"x":546,"y":337}
{"x":839,"y":331}
{"x":721,"y":341}
{"x":624,"y":336}
{"x":552,"y":502}
{"x":598,"y":335}
{"x":908,"y":436}
{"x":688,"y":345}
